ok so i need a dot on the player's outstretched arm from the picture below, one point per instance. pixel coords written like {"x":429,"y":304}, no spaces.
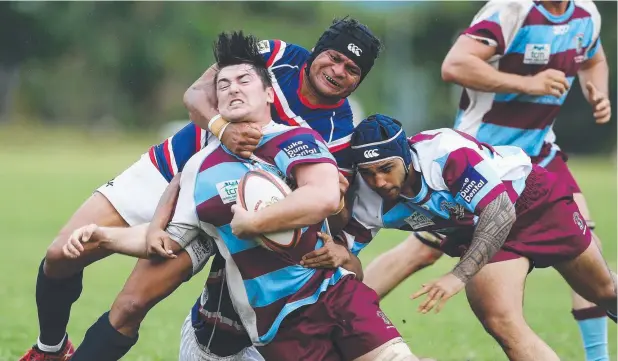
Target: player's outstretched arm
{"x":467,"y":64}
{"x":128,"y":241}
{"x":594,"y":81}
{"x":495,"y":222}
{"x":494,"y":225}
{"x":316,"y":198}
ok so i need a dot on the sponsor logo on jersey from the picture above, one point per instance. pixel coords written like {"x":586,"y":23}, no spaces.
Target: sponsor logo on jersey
{"x":354,"y":49}
{"x":471,"y":183}
{"x":537,"y":54}
{"x":454,"y":209}
{"x":300,"y":146}
{"x":418,"y":220}
{"x":371,"y":153}
{"x":264,"y":47}
{"x":228,"y":190}
{"x":579,"y":48}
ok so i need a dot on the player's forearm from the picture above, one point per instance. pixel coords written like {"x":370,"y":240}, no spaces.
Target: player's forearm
{"x":129,"y":241}
{"x":596,"y":71}
{"x":200,"y":99}
{"x":494,"y":225}
{"x":305,"y":206}
{"x":474,"y":73}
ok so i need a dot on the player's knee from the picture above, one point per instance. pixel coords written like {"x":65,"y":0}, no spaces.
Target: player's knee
{"x":129,"y":310}
{"x":606,"y":293}
{"x":503,"y":326}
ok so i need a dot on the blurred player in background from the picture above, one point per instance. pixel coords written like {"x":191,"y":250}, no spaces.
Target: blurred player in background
{"x":501,"y":215}
{"x":517,"y":62}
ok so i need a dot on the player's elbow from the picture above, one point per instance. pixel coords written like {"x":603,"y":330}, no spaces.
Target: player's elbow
{"x":449,"y":71}
{"x":331,"y":201}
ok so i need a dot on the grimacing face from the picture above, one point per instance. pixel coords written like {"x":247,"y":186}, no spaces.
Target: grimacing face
{"x":334,"y":75}
{"x":241,"y":94}
{"x":385,"y":177}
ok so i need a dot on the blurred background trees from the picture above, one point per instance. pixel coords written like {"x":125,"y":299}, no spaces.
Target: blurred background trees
{"x":126,"y":65}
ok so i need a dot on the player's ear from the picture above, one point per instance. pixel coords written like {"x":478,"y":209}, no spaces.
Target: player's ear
{"x":270,"y":95}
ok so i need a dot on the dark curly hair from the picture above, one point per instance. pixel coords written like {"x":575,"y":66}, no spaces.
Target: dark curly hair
{"x":236,"y":48}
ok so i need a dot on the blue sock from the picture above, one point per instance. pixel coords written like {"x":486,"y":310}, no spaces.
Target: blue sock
{"x":594,"y":335}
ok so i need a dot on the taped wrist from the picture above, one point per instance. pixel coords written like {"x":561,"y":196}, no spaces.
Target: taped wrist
{"x":217,"y":126}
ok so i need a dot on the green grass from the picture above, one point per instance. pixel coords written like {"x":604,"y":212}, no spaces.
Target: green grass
{"x":44,"y":177}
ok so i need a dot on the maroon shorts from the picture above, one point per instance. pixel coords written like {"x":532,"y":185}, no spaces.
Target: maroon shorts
{"x":549,"y":228}
{"x":555,"y":161}
{"x":346,"y":322}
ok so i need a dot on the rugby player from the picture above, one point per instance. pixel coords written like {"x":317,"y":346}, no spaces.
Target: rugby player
{"x":288,"y":310}
{"x":304,"y":98}
{"x":498,"y":212}
{"x":517,"y":62}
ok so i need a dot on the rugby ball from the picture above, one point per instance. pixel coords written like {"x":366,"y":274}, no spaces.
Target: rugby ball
{"x":259,"y":189}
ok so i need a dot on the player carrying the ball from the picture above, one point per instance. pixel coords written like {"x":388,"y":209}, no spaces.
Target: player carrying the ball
{"x":289,"y":311}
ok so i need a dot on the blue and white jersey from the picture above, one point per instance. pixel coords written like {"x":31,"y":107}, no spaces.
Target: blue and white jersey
{"x":286,"y":63}
{"x":528,"y":40}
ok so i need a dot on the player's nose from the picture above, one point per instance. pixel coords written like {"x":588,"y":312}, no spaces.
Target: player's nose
{"x":338,"y":70}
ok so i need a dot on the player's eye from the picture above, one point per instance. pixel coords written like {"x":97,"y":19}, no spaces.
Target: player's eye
{"x":224,"y":86}
{"x":352,"y":70}
{"x":386,"y":169}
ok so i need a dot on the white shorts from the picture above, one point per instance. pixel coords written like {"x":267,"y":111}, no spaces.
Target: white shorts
{"x":192,"y":350}
{"x":135,"y":194}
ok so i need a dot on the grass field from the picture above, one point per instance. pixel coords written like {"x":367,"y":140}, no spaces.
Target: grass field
{"x":46,"y":175}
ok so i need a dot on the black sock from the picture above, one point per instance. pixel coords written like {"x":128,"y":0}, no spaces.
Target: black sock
{"x":611,"y":316}
{"x":103,"y":342}
{"x":54,"y":298}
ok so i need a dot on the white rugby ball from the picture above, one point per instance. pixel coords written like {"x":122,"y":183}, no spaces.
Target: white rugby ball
{"x":259,"y":189}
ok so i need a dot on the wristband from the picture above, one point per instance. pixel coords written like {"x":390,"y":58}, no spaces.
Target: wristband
{"x":222,"y":130}
{"x":216,"y":124}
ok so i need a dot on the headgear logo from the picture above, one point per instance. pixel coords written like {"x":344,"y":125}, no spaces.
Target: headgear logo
{"x":371,"y":153}
{"x":354,"y":49}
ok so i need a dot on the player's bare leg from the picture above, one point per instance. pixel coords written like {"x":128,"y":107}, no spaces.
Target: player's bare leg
{"x":97,"y":209}
{"x":116,"y":331}
{"x":496,"y":296}
{"x":589,"y":276}
{"x":59,"y":282}
{"x":392,"y":267}
{"x":590,"y":318}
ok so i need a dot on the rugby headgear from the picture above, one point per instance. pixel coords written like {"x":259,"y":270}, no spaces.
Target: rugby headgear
{"x":380,"y":137}
{"x":353,"y":40}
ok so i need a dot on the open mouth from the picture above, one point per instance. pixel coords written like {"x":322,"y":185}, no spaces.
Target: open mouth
{"x":236,"y":102}
{"x":332,"y":81}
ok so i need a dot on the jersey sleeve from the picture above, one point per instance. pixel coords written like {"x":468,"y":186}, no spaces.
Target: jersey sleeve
{"x":595,"y":18}
{"x":172,"y":154}
{"x":185,"y":226}
{"x":275,"y":50}
{"x":357,"y":235}
{"x":470,"y":178}
{"x":301,"y":146}
{"x":497,"y":23}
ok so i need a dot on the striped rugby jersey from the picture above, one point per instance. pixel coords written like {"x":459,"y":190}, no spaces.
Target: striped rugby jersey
{"x":459,"y":176}
{"x":264,"y":286}
{"x":528,"y":39}
{"x":286,"y":63}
